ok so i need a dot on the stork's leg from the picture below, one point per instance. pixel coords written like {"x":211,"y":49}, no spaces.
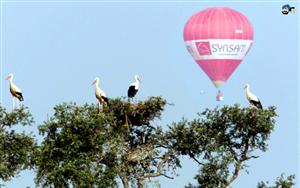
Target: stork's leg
{"x":13,"y":103}
{"x":132,"y":100}
{"x":135,"y":100}
{"x":18,"y":103}
{"x":99,"y":107}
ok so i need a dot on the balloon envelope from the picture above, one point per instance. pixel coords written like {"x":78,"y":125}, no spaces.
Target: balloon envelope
{"x":218,"y":39}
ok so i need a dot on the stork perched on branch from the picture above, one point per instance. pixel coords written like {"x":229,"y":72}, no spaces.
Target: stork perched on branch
{"x":134,"y":87}
{"x":100,"y":95}
{"x":14,"y":90}
{"x":253,"y":99}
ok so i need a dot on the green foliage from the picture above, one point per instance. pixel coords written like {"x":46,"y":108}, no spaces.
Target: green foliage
{"x":73,"y":149}
{"x":221,"y":140}
{"x":281,"y":182}
{"x":85,"y":149}
{"x":16,"y":149}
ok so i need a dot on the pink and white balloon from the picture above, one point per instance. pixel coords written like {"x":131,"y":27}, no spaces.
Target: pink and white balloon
{"x":218,"y":39}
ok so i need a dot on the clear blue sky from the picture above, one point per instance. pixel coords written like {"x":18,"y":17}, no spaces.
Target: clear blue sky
{"x":55,"y":51}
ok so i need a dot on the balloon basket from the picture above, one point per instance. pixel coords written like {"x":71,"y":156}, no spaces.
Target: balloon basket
{"x":219,"y":96}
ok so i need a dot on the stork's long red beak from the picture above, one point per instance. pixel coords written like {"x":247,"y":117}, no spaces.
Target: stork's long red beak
{"x":7,"y":77}
{"x":94,"y":82}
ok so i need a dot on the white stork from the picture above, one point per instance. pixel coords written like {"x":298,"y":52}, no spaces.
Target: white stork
{"x":134,"y":87}
{"x":14,"y":90}
{"x":253,"y":99}
{"x":99,"y":93}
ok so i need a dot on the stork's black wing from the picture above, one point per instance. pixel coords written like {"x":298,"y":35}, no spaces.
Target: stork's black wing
{"x":105,"y":99}
{"x":131,"y":91}
{"x":19,"y":96}
{"x":256,"y":103}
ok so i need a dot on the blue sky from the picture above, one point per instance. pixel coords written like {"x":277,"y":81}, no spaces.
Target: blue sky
{"x":56,"y":49}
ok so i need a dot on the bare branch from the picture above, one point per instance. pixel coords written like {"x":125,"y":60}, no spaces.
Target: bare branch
{"x":252,"y":157}
{"x":239,"y":164}
{"x":159,"y":167}
{"x":197,"y":160}
{"x":167,"y":176}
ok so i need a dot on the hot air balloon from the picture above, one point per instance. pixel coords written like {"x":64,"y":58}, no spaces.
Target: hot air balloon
{"x":218,"y":39}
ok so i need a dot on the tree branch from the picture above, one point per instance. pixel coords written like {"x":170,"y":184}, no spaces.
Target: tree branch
{"x":197,"y":160}
{"x":252,"y":157}
{"x":239,"y":164}
{"x":159,"y":167}
{"x":124,"y":181}
{"x":162,"y":146}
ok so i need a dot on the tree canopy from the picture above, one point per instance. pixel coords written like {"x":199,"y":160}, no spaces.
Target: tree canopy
{"x":221,"y":140}
{"x":125,"y":144}
{"x":16,"y":149}
{"x":85,"y":148}
{"x":281,"y":182}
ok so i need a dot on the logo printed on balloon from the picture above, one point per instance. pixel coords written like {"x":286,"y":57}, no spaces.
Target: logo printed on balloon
{"x":229,"y":49}
{"x":218,"y":48}
{"x":203,"y":48}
